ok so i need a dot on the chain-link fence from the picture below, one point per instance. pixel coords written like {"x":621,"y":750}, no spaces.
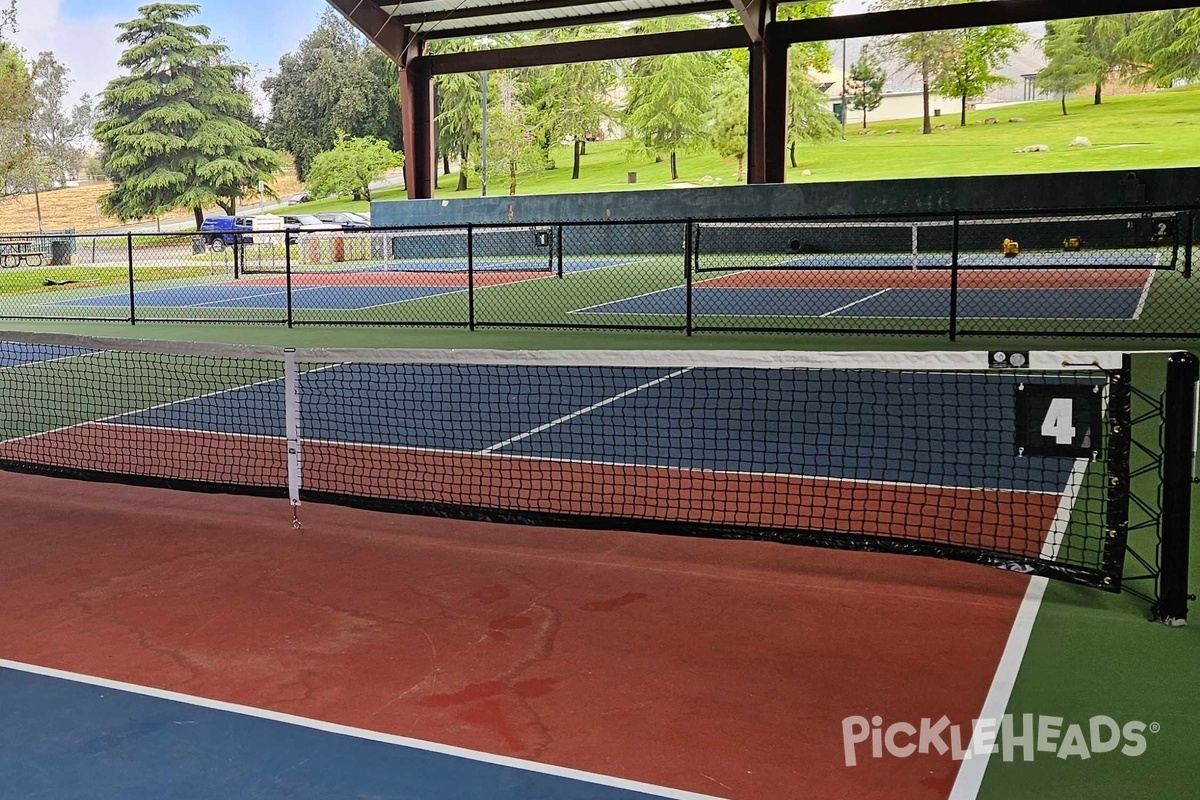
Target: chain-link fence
{"x":1123,"y":272}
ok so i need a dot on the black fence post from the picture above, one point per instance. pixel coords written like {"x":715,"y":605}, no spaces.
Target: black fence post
{"x":559,"y":247}
{"x":470,"y":276}
{"x":1189,"y":242}
{"x":687,"y":275}
{"x":1179,"y":428}
{"x":129,"y":255}
{"x":237,"y":249}
{"x":954,"y":245}
{"x":287,"y":272}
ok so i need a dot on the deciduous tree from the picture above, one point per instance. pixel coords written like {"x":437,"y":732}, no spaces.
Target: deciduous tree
{"x":970,"y":64}
{"x":351,"y":166}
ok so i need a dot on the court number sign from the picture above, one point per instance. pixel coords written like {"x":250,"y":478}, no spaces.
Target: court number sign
{"x":1058,"y":420}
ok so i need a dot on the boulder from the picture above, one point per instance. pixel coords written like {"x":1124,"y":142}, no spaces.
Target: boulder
{"x":891,"y":132}
{"x":1016,"y":119}
{"x":807,"y":173}
{"x":991,"y":121}
{"x":865,"y":132}
{"x":1033,"y":148}
{"x":942,"y":127}
{"x":1081,"y":141}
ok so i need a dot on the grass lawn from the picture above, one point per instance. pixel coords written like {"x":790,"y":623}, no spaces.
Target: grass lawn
{"x":1141,"y":131}
{"x":34,"y":279}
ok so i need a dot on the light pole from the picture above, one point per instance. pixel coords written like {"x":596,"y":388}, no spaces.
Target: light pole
{"x":844,"y":115}
{"x":484,"y":43}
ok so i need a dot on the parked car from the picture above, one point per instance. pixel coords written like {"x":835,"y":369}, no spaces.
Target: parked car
{"x":297,"y":199}
{"x":304,"y":222}
{"x":348,"y":220}
{"x":221,"y":232}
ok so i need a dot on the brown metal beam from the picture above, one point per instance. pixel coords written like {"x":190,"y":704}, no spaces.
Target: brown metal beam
{"x":486,"y":29}
{"x":375,"y":23}
{"x":542,"y":55}
{"x":406,"y":17}
{"x":953,"y":17}
{"x":416,"y":105}
{"x":753,"y":14}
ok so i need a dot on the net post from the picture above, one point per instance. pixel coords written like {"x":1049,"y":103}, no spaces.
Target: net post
{"x":689,"y":229}
{"x":291,"y":410}
{"x":129,"y":256}
{"x":287,"y":272}
{"x":954,"y":245}
{"x":558,"y":246}
{"x":1117,"y":459}
{"x":470,"y":276}
{"x":1179,"y":400}
{"x":1189,"y":242}
{"x":237,"y":260}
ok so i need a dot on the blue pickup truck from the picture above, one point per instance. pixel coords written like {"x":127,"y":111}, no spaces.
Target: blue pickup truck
{"x":221,"y":232}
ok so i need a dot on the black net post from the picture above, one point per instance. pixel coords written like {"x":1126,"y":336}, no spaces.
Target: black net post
{"x":689,"y":231}
{"x":954,"y":278}
{"x":558,"y":248}
{"x":287,"y":272}
{"x":129,"y":256}
{"x":470,"y":277}
{"x":1189,"y":242}
{"x":1179,"y":427}
{"x":237,"y":257}
{"x":1120,"y":445}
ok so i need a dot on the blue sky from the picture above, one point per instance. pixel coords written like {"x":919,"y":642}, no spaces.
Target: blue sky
{"x":82,"y":36}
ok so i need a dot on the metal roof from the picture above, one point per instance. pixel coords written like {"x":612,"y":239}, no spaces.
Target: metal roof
{"x":436,"y":19}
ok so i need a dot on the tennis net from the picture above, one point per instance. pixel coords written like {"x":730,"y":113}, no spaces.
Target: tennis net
{"x":435,"y":249}
{"x":1013,"y":460}
{"x":1112,"y":241}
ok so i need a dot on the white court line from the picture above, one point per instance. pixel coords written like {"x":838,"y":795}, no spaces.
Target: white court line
{"x":44,"y":360}
{"x":1141,"y":303}
{"x":360,"y":733}
{"x":566,"y":418}
{"x":852,"y":305}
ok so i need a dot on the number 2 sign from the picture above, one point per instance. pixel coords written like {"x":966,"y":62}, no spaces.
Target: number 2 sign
{"x":1059,"y":420}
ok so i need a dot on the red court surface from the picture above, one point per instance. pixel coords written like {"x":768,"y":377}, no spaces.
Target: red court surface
{"x":718,"y":667}
{"x":1032,"y":278}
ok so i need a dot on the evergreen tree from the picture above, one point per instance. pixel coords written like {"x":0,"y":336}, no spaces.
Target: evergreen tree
{"x":866,"y":81}
{"x":1167,"y":42}
{"x":809,"y":120}
{"x":576,"y":102}
{"x":170,"y":128}
{"x":1101,"y":37}
{"x":731,"y":116}
{"x":513,"y":149}
{"x":970,"y":64}
{"x":459,"y":104}
{"x":1069,"y":66}
{"x":669,"y":97}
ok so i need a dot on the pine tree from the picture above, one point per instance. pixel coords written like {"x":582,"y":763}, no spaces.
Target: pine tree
{"x":576,"y":102}
{"x":867,"y":78}
{"x":1068,"y":64}
{"x":1167,"y":42}
{"x":669,"y":98}
{"x":731,"y":116}
{"x":171,"y":128}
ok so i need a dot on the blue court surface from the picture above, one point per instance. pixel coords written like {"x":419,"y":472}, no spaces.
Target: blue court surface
{"x":312,"y":298}
{"x":1107,"y":303}
{"x":71,"y":740}
{"x":633,"y":416}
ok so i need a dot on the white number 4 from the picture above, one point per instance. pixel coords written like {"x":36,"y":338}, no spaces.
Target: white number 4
{"x":1058,"y":423}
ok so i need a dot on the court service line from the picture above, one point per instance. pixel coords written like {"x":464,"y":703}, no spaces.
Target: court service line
{"x":574,"y":414}
{"x":856,"y":302}
{"x":972,"y":769}
{"x":45,"y":360}
{"x":359,"y":733}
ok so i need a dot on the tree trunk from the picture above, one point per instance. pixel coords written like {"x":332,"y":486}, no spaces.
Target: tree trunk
{"x":792,"y":153}
{"x":462,"y":172}
{"x":674,"y":167}
{"x":229,"y":207}
{"x":583,"y":148}
{"x":864,"y":118}
{"x":199,"y":214}
{"x":962,"y":123}
{"x":512,"y":179}
{"x":1064,"y":103}
{"x":928,"y":126}
{"x":1099,"y":92}
{"x":445,"y":162}
{"x":575,"y":162}
{"x":741,"y":173}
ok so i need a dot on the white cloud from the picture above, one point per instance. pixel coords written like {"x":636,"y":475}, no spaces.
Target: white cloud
{"x":86,"y":45}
